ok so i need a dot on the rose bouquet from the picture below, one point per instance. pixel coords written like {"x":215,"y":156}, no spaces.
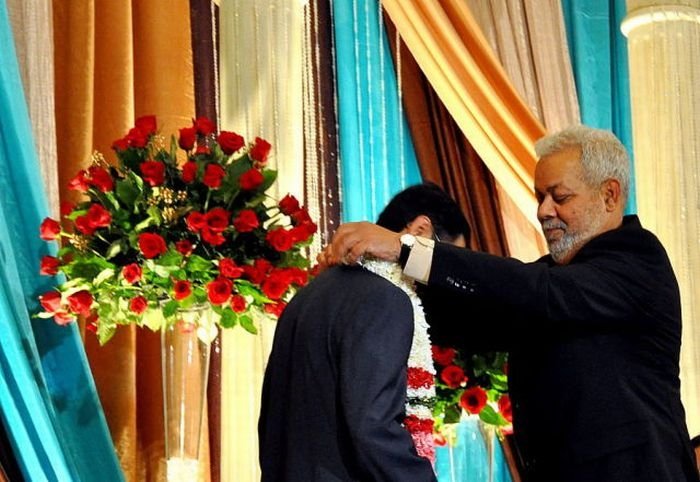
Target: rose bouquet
{"x":476,"y":384}
{"x":157,"y":233}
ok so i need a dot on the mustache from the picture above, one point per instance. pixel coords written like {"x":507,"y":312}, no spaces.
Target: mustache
{"x":554,"y":224}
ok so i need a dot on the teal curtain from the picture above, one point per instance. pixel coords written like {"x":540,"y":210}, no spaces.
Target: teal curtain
{"x":48,"y":401}
{"x":476,"y":456}
{"x":377,"y":158}
{"x":599,"y":60}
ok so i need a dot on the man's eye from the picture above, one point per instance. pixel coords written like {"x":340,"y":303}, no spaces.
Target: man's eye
{"x":561,"y":199}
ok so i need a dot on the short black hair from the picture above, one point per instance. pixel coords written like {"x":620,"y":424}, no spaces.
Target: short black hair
{"x":426,"y":199}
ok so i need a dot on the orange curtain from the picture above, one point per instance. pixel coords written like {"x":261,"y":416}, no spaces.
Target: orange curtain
{"x":447,"y":43}
{"x":114,"y":61}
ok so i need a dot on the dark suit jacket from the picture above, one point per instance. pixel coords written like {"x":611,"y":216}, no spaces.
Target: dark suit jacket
{"x":335,"y":385}
{"x":594,"y":354}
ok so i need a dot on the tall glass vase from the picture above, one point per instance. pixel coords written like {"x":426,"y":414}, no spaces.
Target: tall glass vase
{"x":185,"y":365}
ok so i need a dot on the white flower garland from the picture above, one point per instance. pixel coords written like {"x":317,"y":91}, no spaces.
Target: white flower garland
{"x":420,"y":395}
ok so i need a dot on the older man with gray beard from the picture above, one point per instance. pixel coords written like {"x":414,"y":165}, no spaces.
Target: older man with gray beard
{"x":593,"y":329}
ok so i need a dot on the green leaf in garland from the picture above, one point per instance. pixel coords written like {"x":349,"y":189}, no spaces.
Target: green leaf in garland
{"x":170,"y":308}
{"x":197,"y":263}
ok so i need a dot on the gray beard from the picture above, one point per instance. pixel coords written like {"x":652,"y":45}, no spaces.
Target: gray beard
{"x":561,"y":248}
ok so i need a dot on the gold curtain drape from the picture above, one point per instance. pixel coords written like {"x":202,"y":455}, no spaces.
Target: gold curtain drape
{"x":663,"y":43}
{"x":529,"y":38}
{"x":116,"y":60}
{"x":447,"y":43}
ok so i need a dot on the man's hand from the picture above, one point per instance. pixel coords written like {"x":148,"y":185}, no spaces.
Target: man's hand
{"x":352,"y":241}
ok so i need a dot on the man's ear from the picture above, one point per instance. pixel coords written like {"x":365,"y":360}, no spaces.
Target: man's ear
{"x":612,"y":193}
{"x":421,"y":226}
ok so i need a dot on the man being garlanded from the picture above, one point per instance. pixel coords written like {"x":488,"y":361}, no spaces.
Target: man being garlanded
{"x":350,"y":378}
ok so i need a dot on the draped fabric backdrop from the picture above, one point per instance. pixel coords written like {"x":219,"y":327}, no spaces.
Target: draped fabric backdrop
{"x":529,"y":38}
{"x":599,"y":60}
{"x":376,"y":153}
{"x":664,"y":45}
{"x":204,"y":16}
{"x":320,"y":128}
{"x":261,"y":95}
{"x":448,"y":45}
{"x":445,"y":155}
{"x":48,"y":401}
{"x":116,"y":61}
{"x":33,"y":32}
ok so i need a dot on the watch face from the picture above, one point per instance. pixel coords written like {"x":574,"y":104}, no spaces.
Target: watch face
{"x":408,"y":239}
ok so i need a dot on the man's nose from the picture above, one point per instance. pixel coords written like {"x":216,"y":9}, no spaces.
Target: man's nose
{"x":545,"y":210}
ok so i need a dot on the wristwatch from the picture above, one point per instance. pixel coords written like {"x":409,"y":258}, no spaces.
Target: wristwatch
{"x":407,"y":241}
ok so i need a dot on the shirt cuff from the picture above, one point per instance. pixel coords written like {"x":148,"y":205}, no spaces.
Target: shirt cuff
{"x":420,"y":260}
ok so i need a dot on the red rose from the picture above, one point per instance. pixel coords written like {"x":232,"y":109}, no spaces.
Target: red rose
{"x":280,"y":239}
{"x":66,"y":208}
{"x":80,"y":302}
{"x":153,"y":172}
{"x":51,"y":301}
{"x":229,"y":268}
{"x":274,"y":288}
{"x":91,"y":322}
{"x":101,"y":179}
{"x":213,"y":174}
{"x":188,"y":136}
{"x":182,"y":289}
{"x":217,"y":219}
{"x":246,"y":221}
{"x":80,"y":182}
{"x":202,"y":150}
{"x":439,"y":439}
{"x":238,"y":304}
{"x":275,"y":309}
{"x":251,"y":179}
{"x":297,"y":276}
{"x":98,"y":216}
{"x":49,"y":266}
{"x":443,"y":356}
{"x":230,"y":142}
{"x":132,"y":273}
{"x":419,"y":378}
{"x":473,"y":400}
{"x":302,"y":232}
{"x":151,"y":245}
{"x":505,"y":408}
{"x":195,"y":221}
{"x":289,"y":205}
{"x":63,"y":318}
{"x":138,"y":304}
{"x":301,"y":216}
{"x":219,"y":290}
{"x":189,"y":171}
{"x":213,"y":238}
{"x":257,"y":272}
{"x":453,"y":376}
{"x":184,"y":247}
{"x":84,"y":225}
{"x":146,"y":124}
{"x":49,"y":229}
{"x":416,"y":424}
{"x":204,"y":126}
{"x":260,"y":150}
{"x":137,"y":138}
{"x":120,"y":144}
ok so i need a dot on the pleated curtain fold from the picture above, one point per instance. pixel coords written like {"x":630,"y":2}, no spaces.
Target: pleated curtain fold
{"x":115,"y":61}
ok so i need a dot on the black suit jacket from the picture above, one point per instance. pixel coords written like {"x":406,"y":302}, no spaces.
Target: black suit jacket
{"x":334,"y":392}
{"x":594,"y":354}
